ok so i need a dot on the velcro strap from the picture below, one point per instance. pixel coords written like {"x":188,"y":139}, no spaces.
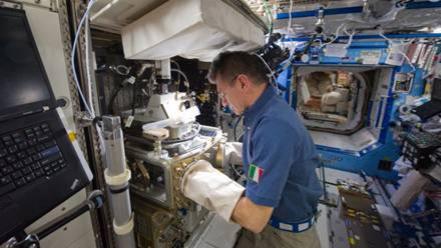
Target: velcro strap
{"x":293,"y":227}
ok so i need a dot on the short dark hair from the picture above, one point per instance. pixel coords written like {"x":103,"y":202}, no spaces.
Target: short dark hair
{"x":228,"y":65}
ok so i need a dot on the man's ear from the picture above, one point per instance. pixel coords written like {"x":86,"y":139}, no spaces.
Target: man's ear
{"x":244,"y":82}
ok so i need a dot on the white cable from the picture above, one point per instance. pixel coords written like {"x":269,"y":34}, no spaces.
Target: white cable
{"x":336,"y":35}
{"x":351,"y":36}
{"x":125,"y":68}
{"x":274,"y":81}
{"x":391,"y":42}
{"x":88,"y":76}
{"x":177,"y":66}
{"x":288,"y":28}
{"x":187,"y":83}
{"x":89,"y":110}
{"x":77,"y":34}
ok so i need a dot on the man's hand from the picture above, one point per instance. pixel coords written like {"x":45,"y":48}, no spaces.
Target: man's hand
{"x":251,"y":216}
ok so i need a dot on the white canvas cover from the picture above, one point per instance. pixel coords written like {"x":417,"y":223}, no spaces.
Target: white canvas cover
{"x":192,"y":29}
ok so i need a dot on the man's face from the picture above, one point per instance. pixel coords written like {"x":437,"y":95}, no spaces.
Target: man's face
{"x":231,"y":94}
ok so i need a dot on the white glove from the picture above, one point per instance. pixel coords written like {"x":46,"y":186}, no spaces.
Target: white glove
{"x":211,"y":189}
{"x":233,"y":153}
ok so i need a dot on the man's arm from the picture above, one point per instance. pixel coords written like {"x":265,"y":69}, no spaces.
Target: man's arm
{"x":263,"y":193}
{"x":251,"y":216}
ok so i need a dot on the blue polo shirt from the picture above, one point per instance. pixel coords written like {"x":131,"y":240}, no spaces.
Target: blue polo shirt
{"x":280,"y":150}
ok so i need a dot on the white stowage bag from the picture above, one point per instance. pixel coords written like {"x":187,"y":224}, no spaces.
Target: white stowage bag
{"x":211,"y":189}
{"x":411,"y":187}
{"x":332,"y":98}
{"x":193,"y":29}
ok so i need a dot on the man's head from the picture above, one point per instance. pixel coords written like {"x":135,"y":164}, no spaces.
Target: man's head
{"x":240,"y":78}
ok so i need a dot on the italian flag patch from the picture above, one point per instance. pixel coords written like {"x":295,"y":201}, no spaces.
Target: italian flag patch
{"x":255,"y":173}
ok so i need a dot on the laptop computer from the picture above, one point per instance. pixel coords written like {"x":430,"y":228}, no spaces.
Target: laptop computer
{"x":40,"y":166}
{"x":432,"y":107}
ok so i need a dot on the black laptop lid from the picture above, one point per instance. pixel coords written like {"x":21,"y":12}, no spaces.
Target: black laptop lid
{"x":24,"y":86}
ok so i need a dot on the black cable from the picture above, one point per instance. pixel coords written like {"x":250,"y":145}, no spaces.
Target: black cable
{"x":136,"y":85}
{"x":235,"y":127}
{"x":318,"y":30}
{"x":134,"y":97}
{"x":299,"y":55}
{"x":113,"y":97}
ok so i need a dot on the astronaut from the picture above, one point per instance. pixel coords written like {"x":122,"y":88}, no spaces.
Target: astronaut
{"x":278,"y":205}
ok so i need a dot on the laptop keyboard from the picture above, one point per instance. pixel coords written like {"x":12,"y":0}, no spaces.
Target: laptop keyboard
{"x":428,"y":109}
{"x":26,"y":155}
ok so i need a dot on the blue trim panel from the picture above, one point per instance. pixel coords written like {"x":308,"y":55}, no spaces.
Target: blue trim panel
{"x":423,"y":5}
{"x":337,"y":150}
{"x":312,"y":13}
{"x":367,"y":47}
{"x":299,"y":14}
{"x":352,"y":10}
{"x":392,"y":36}
{"x":388,"y":112}
{"x":341,"y":11}
{"x":354,"y":153}
{"x":300,"y":39}
{"x":368,"y":37}
{"x":386,"y":119}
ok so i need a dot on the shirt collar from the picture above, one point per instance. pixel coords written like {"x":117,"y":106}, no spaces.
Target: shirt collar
{"x":253,"y":111}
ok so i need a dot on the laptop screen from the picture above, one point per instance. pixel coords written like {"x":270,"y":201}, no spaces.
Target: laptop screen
{"x":436,"y":89}
{"x":22,"y":78}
